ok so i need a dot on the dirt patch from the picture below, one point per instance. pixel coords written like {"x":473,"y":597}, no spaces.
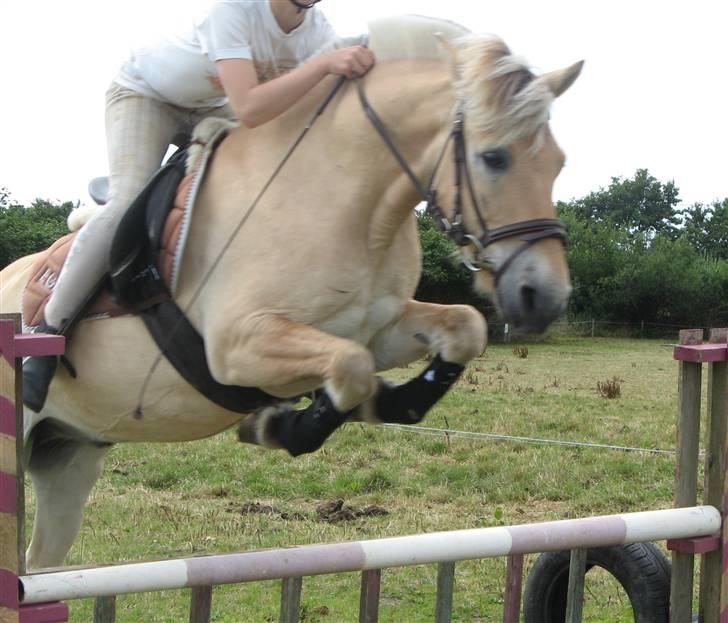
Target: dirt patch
{"x":331,"y":511}
{"x":335,"y":510}
{"x":255,"y":508}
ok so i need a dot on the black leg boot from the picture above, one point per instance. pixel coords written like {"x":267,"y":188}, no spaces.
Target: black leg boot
{"x":38,"y":373}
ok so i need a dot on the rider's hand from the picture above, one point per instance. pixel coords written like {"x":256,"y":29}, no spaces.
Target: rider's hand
{"x":351,"y":62}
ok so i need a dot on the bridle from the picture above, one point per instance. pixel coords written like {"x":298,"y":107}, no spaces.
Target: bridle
{"x":528,"y":232}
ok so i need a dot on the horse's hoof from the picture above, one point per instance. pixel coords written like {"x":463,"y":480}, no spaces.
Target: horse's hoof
{"x":257,"y":428}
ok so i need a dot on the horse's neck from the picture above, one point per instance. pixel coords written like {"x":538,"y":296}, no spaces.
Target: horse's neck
{"x":415,"y":102}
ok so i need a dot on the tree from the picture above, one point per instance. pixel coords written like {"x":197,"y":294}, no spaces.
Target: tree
{"x":641,"y":204}
{"x":444,"y":279}
{"x":706,"y":228}
{"x":27,"y":230}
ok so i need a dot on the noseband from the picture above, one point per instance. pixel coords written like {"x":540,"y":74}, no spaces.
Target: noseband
{"x":528,"y":232}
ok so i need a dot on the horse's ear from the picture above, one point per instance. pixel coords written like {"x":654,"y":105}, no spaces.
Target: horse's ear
{"x":560,"y":80}
{"x":451,"y":51}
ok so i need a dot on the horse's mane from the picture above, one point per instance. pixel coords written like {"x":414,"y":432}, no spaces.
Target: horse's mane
{"x":496,"y":89}
{"x":412,"y":36}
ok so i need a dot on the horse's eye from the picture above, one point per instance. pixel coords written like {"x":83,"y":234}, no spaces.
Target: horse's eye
{"x":497,"y":160}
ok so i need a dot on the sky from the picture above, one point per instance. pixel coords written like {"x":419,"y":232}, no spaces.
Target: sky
{"x":653,"y":93}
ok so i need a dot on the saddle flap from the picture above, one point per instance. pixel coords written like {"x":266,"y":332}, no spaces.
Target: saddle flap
{"x":43,"y":278}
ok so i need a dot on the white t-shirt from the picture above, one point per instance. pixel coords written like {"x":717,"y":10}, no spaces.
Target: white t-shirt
{"x":181,"y":70}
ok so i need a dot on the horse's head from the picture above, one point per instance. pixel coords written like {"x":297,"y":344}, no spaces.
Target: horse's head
{"x":513,"y":160}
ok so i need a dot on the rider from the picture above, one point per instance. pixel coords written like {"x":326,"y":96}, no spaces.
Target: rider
{"x":246,"y":60}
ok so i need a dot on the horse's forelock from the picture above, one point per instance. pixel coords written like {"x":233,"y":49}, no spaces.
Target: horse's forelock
{"x":498,"y":91}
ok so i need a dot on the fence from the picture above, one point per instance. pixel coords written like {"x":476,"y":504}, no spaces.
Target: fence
{"x":690,"y":529}
{"x":500,"y":332}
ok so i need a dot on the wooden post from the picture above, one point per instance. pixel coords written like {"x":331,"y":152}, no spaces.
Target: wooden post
{"x":200,"y":604}
{"x":13,"y":347}
{"x":291,"y":600}
{"x":686,"y":476}
{"x":105,"y":609}
{"x":514,"y":583}
{"x":445,"y":585}
{"x":575,"y":590}
{"x":369,"y":596}
{"x":11,"y":541}
{"x":715,"y":465}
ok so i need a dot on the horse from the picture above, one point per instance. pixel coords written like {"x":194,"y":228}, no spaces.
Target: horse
{"x":314,"y":291}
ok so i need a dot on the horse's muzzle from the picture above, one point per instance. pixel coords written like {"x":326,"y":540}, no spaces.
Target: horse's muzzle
{"x":531,"y":300}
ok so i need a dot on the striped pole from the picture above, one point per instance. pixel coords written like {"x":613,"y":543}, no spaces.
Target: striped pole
{"x":12,"y":538}
{"x":374,"y":554}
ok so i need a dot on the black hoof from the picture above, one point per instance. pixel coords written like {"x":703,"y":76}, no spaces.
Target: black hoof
{"x":408,"y":403}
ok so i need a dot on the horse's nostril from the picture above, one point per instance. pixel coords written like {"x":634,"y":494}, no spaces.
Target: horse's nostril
{"x":528,"y":296}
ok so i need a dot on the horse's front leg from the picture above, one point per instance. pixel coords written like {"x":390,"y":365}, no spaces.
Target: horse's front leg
{"x":279,"y":356}
{"x":455,"y":333}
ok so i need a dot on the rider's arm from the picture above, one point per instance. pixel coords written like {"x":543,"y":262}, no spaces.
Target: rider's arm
{"x":254,"y":104}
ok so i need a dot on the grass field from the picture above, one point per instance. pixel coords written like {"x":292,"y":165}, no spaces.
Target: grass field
{"x":160,"y":501}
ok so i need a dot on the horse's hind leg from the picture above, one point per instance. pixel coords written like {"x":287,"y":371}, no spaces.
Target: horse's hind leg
{"x":63,"y":467}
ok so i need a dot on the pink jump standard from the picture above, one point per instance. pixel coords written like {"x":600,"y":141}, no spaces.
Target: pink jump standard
{"x":13,"y":347}
{"x":692,"y":353}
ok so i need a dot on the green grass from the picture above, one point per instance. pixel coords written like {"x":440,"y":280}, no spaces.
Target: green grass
{"x":170,"y":500}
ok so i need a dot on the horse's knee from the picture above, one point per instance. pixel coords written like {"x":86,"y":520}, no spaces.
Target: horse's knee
{"x":351,"y":379}
{"x":465,"y":334}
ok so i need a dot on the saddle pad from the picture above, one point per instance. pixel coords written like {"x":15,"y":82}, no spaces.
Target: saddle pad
{"x":44,"y":273}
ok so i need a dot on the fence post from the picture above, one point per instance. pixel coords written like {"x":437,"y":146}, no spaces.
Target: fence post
{"x":200,"y":604}
{"x":105,"y":609}
{"x":575,"y":588}
{"x":291,"y":600}
{"x":686,"y":477}
{"x":11,"y":478}
{"x":593,"y":327}
{"x":369,"y":596}
{"x":715,"y":465}
{"x":514,"y":584}
{"x":445,"y":585}
{"x":13,"y":347}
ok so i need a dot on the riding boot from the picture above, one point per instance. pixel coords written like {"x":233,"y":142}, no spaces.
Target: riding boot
{"x":38,"y":373}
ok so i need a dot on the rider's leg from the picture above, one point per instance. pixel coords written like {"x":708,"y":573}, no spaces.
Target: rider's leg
{"x":138,"y":131}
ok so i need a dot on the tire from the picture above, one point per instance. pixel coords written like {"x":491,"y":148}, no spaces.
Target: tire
{"x":641,"y":568}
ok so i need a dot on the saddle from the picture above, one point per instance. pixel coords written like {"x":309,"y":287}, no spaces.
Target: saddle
{"x":145,"y":254}
{"x":140,"y":265}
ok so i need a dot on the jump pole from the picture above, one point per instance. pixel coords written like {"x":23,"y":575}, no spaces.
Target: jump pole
{"x":13,"y":347}
{"x":375,"y":554}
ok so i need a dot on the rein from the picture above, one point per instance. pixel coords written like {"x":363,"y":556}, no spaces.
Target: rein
{"x":528,"y":232}
{"x":241,"y":223}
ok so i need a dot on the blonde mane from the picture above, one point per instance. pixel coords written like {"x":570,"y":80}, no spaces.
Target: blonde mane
{"x":412,"y":36}
{"x":497,"y":90}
